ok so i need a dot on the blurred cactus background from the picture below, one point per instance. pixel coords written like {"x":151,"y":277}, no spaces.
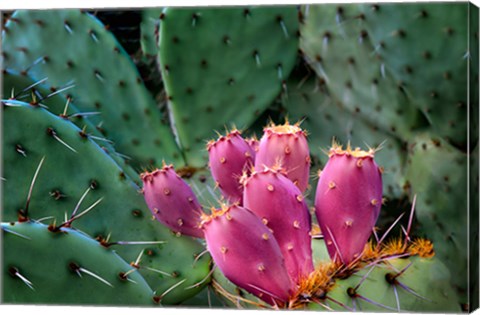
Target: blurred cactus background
{"x":94,"y":98}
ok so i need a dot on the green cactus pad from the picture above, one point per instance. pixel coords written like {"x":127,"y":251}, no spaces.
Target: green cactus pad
{"x":437,"y":173}
{"x":26,"y":89}
{"x":427,"y":277}
{"x":82,"y":52}
{"x":325,"y":120}
{"x":223,"y":66}
{"x":63,"y":179}
{"x":426,"y":47}
{"x":339,"y":49}
{"x":149,"y":30}
{"x":65,"y":267}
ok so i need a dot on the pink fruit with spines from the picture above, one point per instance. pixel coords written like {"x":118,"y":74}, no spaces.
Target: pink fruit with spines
{"x":286,"y":146}
{"x":246,"y":252}
{"x":348,"y":200}
{"x":281,"y":206}
{"x":172,"y":201}
{"x":229,"y":156}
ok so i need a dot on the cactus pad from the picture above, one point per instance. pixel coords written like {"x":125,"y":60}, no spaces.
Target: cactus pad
{"x":223,"y":62}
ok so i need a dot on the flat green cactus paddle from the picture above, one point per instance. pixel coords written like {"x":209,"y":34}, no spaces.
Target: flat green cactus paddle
{"x":76,"y":175}
{"x":66,"y":267}
{"x":222,"y":66}
{"x":104,"y":77}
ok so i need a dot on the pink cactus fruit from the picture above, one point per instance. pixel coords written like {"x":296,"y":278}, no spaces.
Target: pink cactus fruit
{"x":172,"y":201}
{"x":246,"y":252}
{"x":348,"y":201}
{"x":285,"y":145}
{"x":229,"y":156}
{"x":281,"y":206}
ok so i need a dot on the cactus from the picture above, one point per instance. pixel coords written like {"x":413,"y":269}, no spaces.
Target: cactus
{"x":149,"y":29}
{"x":413,"y":284}
{"x":43,"y":265}
{"x":39,"y":93}
{"x":103,"y":76}
{"x":76,"y":173}
{"x":442,"y":201}
{"x":233,"y":71}
{"x":348,"y":201}
{"x":281,"y":206}
{"x":338,"y":47}
{"x":172,"y":201}
{"x":89,"y":128}
{"x":431,"y":68}
{"x":229,"y":156}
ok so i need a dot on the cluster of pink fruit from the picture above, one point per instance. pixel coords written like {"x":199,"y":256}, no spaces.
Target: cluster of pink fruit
{"x":260,"y":237}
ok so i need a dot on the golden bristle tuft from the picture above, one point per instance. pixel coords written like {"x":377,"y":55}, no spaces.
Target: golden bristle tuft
{"x":337,"y":149}
{"x":422,"y":247}
{"x":395,"y":246}
{"x":318,"y":283}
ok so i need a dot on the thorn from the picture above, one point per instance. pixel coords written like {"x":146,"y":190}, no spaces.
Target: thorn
{"x":84,"y":114}
{"x":69,"y":222}
{"x":88,"y":272}
{"x":256,"y":55}
{"x":375,"y":303}
{"x":80,"y":202}
{"x":199,"y":256}
{"x":364,"y":277}
{"x":36,"y":62}
{"x":159,"y":271}
{"x":29,"y":196}
{"x":403,"y":286}
{"x":29,"y":87}
{"x":159,"y":298}
{"x":15,"y":273}
{"x":57,"y":92}
{"x":397,"y":299}
{"x":53,"y":133}
{"x":410,"y":219}
{"x":93,"y":35}
{"x":66,"y":108}
{"x":283,"y":26}
{"x":389,"y":229}
{"x":16,"y":233}
{"x":264,"y":291}
{"x":203,"y":280}
{"x":67,"y":27}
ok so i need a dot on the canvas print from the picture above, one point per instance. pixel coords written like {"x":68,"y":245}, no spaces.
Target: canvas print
{"x":317,"y":157}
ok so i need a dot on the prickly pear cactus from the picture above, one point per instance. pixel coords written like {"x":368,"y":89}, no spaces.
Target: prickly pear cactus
{"x":431,"y":65}
{"x":40,"y":93}
{"x":233,"y":71}
{"x":338,"y":47}
{"x":442,"y":201}
{"x":43,"y":265}
{"x":117,"y":174}
{"x":76,"y":175}
{"x":103,"y":78}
